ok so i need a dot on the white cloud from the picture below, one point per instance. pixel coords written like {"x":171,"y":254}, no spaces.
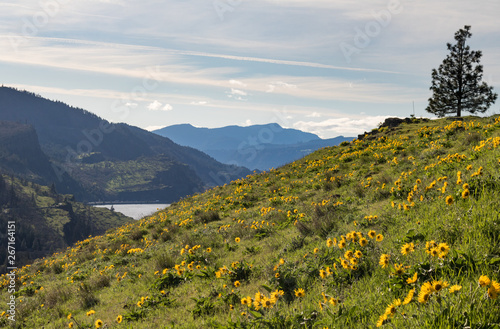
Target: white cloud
{"x":273,"y":85}
{"x":238,"y":83}
{"x":157,"y":106}
{"x":236,"y":97}
{"x":131,"y":105}
{"x":151,"y":128}
{"x":341,"y":126}
{"x":314,"y":115}
{"x":199,"y":103}
{"x":238,"y":92}
{"x":248,"y":122}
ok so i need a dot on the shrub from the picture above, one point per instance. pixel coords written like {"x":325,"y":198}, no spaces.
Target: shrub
{"x":209,"y":216}
{"x":100,"y":281}
{"x":203,"y":307}
{"x":163,"y":260}
{"x":137,"y":234}
{"x":56,"y":296}
{"x":86,"y":296}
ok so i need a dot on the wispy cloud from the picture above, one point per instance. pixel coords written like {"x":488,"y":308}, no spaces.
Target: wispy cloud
{"x":41,"y":44}
{"x":238,"y":92}
{"x":199,"y":103}
{"x":131,"y":105}
{"x":237,"y":83}
{"x":273,"y":85}
{"x":314,"y":115}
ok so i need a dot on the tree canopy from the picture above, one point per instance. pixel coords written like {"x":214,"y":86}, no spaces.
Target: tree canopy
{"x":457,"y":84}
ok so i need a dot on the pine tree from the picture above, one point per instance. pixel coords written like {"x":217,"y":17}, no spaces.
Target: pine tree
{"x":457,"y":84}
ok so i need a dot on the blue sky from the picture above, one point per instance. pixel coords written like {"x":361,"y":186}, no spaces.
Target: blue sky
{"x":331,"y":67}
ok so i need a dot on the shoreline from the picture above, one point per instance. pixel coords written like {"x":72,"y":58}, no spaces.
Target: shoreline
{"x":99,"y":203}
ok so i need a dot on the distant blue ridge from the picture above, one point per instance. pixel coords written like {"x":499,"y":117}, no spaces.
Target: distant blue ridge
{"x":257,"y":147}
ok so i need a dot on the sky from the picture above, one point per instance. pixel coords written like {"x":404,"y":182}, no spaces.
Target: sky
{"x":330,"y":67}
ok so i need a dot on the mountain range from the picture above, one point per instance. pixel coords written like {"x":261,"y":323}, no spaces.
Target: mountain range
{"x":260,"y":147}
{"x":85,"y":155}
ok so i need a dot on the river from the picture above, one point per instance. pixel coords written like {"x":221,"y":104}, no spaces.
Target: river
{"x":136,"y":211}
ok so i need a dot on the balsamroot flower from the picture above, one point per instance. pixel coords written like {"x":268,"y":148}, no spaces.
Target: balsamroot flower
{"x":384,"y":260}
{"x":300,"y":292}
{"x":494,"y":290}
{"x":484,"y":281}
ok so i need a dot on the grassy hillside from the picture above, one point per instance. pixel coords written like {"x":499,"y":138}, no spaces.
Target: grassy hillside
{"x":398,"y":229}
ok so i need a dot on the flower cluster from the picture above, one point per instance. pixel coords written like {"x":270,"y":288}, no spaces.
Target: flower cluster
{"x":493,"y":286}
{"x":262,"y":301}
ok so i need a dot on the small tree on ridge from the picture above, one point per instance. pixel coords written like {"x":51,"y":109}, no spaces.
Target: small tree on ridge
{"x":457,"y":84}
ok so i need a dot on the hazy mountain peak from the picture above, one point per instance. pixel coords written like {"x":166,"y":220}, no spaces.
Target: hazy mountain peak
{"x":260,"y":146}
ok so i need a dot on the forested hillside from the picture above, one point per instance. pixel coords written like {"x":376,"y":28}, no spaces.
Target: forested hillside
{"x":47,"y":221}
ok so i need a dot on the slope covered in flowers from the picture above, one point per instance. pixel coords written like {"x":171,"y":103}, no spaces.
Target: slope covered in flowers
{"x":399,"y":229}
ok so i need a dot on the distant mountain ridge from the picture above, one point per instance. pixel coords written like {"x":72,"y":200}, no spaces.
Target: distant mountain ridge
{"x":139,"y":165}
{"x":230,"y":137}
{"x":256,"y":147}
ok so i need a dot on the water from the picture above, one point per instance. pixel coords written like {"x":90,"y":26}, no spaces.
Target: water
{"x":136,"y":211}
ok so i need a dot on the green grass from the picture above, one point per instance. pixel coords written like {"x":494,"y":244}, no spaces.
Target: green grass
{"x":390,"y":182}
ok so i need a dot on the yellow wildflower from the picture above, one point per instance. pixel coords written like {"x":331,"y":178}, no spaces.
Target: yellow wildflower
{"x":484,"y":281}
{"x":384,"y":260}
{"x":409,"y":297}
{"x":412,"y":279}
{"x":299,"y":292}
